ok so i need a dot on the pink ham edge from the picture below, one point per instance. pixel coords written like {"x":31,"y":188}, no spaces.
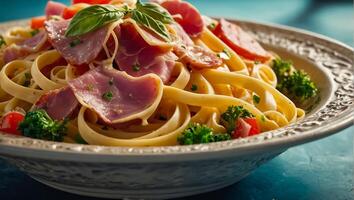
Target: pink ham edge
{"x":134,"y":51}
{"x":130,"y":95}
{"x":28,"y":46}
{"x":59,"y":104}
{"x":191,"y":54}
{"x":191,"y":21}
{"x":54,"y":8}
{"x":83,"y":52}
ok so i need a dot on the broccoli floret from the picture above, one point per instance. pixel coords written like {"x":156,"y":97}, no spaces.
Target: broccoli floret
{"x":199,"y":134}
{"x":296,"y":84}
{"x":37,"y":124}
{"x":231,"y":115}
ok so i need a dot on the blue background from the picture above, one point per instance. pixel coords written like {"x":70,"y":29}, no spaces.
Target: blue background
{"x":318,"y":170}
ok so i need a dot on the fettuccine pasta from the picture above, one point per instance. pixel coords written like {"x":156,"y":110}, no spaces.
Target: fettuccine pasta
{"x":157,"y":86}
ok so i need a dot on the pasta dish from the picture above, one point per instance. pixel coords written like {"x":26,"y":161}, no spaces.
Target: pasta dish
{"x":127,"y":73}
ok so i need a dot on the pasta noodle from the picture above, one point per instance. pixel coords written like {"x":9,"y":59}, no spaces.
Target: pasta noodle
{"x":234,"y":83}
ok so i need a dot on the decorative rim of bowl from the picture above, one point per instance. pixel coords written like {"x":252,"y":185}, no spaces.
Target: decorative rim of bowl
{"x":334,"y":56}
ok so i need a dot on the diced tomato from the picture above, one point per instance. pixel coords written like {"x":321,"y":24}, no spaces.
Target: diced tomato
{"x":240,"y":41}
{"x":10,"y":122}
{"x":245,"y":127}
{"x":70,"y":11}
{"x":38,"y":22}
{"x":91,"y":1}
{"x":254,"y":126}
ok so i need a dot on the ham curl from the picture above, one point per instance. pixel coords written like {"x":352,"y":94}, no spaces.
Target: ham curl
{"x":76,"y":50}
{"x":136,"y":57}
{"x":25,"y":48}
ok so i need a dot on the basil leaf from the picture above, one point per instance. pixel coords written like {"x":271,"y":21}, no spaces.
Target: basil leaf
{"x":153,"y":18}
{"x":156,"y":26}
{"x":92,"y":18}
{"x":155,"y":11}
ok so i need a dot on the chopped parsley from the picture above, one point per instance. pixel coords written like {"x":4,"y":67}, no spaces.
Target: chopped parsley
{"x":212,"y":26}
{"x":110,"y":82}
{"x":2,"y":41}
{"x":257,"y":62}
{"x":201,"y":134}
{"x":107,"y":96}
{"x":27,"y":81}
{"x":136,"y":67}
{"x":225,"y":54}
{"x":256,"y":99}
{"x":34,"y":32}
{"x":75,"y":42}
{"x":263,"y":118}
{"x":194,"y":87}
{"x":230,"y":116}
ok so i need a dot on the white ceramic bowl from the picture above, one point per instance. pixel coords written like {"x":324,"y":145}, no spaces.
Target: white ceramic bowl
{"x":176,"y":171}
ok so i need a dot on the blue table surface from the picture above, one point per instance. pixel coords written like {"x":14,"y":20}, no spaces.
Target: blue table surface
{"x":319,"y":170}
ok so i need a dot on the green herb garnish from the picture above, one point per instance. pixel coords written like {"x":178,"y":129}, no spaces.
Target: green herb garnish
{"x":199,"y":134}
{"x":263,"y":118}
{"x":136,"y":67}
{"x":34,"y":32}
{"x":38,"y":124}
{"x":229,"y":117}
{"x":75,"y":42}
{"x":296,"y":84}
{"x":152,"y":17}
{"x":212,"y":26}
{"x":225,"y":54}
{"x":91,"y":18}
{"x":194,"y":87}
{"x":107,"y":96}
{"x":256,"y":99}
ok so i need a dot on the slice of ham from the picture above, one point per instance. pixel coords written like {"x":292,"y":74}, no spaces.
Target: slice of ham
{"x":75,"y":50}
{"x":198,"y":57}
{"x":240,"y":41}
{"x":32,"y":45}
{"x":190,"y":20}
{"x":243,"y":129}
{"x":129,"y":95}
{"x":54,"y":8}
{"x":182,"y":36}
{"x":136,"y":57}
{"x":191,"y":54}
{"x":59,"y":104}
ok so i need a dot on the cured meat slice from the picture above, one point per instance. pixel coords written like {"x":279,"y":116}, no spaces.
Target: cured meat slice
{"x":114,"y":95}
{"x":28,"y":46}
{"x":75,"y":50}
{"x":59,"y":103}
{"x":190,"y":20}
{"x":240,"y":41}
